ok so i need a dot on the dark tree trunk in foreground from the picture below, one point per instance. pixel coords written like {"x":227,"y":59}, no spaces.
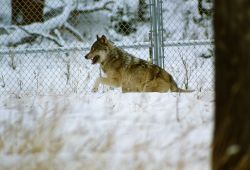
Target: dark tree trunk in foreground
{"x":25,"y":12}
{"x":231,"y":147}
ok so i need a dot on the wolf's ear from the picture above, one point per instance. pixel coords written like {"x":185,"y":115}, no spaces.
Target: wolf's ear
{"x":97,"y":37}
{"x":103,"y":39}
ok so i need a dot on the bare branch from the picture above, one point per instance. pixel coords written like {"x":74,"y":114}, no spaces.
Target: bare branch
{"x":3,"y":82}
{"x":177,"y":107}
{"x":99,"y":7}
{"x":47,"y":36}
{"x":73,"y":31}
{"x":186,"y":71}
{"x":29,"y":33}
{"x":24,"y":33}
{"x":59,"y":36}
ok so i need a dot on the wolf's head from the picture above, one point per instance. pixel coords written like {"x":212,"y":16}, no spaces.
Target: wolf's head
{"x":99,"y":50}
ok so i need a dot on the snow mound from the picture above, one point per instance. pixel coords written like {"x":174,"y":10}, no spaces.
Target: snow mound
{"x":106,"y":131}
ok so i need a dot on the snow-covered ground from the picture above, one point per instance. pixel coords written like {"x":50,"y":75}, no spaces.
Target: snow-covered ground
{"x":106,"y":131}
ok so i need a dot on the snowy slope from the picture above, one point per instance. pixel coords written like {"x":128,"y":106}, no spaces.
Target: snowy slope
{"x":106,"y":132}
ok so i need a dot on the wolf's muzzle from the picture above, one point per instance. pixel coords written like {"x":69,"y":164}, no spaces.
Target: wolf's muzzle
{"x":86,"y":56}
{"x":95,"y":59}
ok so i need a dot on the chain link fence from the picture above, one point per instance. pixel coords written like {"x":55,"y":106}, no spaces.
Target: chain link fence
{"x":188,"y":45}
{"x":43,"y":42}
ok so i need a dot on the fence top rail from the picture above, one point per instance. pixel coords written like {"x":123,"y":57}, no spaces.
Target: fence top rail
{"x":6,"y":51}
{"x":188,"y":42}
{"x":66,"y":49}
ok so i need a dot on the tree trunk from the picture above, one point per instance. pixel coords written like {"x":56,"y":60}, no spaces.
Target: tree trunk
{"x":231,"y":143}
{"x":25,"y":12}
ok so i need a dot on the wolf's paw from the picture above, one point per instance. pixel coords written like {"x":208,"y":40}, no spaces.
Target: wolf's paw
{"x":95,"y":89}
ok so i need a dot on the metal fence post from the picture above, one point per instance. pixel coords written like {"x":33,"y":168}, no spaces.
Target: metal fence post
{"x":151,"y":33}
{"x":161,"y":33}
{"x":156,"y":31}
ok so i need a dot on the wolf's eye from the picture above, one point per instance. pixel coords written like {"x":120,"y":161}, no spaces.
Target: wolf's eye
{"x":92,"y":48}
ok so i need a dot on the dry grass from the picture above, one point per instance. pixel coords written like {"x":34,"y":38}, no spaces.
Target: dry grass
{"x":26,"y":142}
{"x":36,"y":139}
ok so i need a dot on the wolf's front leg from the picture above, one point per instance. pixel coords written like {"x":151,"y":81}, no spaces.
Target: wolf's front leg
{"x":97,"y":83}
{"x":106,"y":81}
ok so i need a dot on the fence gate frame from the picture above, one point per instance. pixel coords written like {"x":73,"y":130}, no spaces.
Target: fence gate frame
{"x":156,"y":32}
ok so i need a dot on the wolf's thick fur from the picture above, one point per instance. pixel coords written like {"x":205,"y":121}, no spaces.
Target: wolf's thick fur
{"x":128,"y":72}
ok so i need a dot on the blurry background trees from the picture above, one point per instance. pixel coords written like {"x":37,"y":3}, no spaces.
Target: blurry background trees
{"x":231,"y":144}
{"x":116,"y":18}
{"x":25,"y":12}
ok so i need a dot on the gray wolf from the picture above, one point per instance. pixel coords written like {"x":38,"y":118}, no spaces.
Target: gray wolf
{"x":128,"y":72}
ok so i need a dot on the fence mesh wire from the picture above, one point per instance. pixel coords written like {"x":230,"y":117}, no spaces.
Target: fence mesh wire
{"x":43,"y":42}
{"x":188,"y":44}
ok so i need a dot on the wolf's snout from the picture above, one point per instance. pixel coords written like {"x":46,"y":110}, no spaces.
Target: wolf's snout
{"x":86,"y":56}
